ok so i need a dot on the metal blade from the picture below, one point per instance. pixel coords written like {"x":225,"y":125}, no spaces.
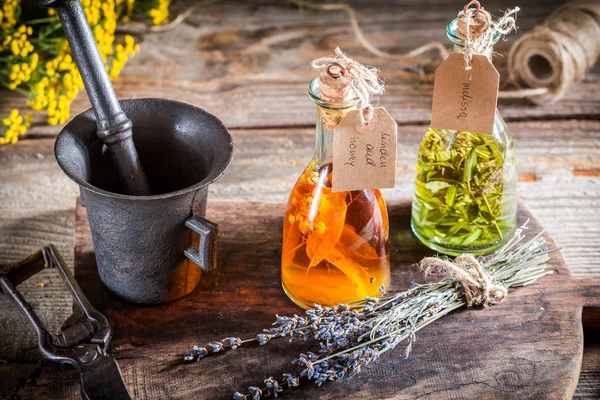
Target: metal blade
{"x":101,"y":379}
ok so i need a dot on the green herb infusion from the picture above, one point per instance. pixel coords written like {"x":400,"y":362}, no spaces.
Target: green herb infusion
{"x":465,"y":197}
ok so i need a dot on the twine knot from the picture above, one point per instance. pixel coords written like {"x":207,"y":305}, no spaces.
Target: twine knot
{"x":479,"y":289}
{"x":343,"y":78}
{"x":479,"y":31}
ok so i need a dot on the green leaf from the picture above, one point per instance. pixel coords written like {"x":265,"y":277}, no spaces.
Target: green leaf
{"x":450,"y":196}
{"x":470,"y":163}
{"x":473,"y":236}
{"x":444,"y":164}
{"x":444,"y":155}
{"x":457,"y":227}
{"x":496,"y":153}
{"x":483,"y":152}
{"x":435,"y":186}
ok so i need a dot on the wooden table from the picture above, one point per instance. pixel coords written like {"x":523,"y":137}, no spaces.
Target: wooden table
{"x":248,"y":63}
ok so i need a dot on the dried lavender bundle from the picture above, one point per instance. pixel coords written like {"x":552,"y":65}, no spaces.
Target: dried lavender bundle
{"x":351,"y":336}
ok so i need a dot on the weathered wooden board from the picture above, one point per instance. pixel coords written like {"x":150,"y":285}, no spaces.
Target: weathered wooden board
{"x":589,"y":379}
{"x":558,"y":163}
{"x":530,"y":346}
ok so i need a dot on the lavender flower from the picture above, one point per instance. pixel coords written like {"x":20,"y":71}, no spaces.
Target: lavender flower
{"x":197,"y":353}
{"x":290,"y":380}
{"x":272,"y":386}
{"x":232,"y":342}
{"x":263,"y":339}
{"x":255,"y":393}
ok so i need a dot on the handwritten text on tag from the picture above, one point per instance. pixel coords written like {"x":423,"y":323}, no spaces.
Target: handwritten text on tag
{"x":465,"y":100}
{"x":364,"y":156}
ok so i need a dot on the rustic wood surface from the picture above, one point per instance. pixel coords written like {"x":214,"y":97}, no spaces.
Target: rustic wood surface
{"x":248,"y":63}
{"x":530,"y":346}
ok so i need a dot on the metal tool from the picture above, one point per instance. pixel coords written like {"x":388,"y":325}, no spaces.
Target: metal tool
{"x":151,"y":249}
{"x":113,"y":126}
{"x":85,"y":336}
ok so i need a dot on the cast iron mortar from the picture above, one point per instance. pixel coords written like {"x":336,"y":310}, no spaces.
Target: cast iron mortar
{"x":142,"y":243}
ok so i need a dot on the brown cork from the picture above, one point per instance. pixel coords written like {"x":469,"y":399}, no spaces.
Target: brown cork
{"x":335,"y":88}
{"x":477,"y":25}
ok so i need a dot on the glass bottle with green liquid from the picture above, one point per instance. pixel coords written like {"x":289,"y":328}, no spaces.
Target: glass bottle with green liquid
{"x":465,"y":198}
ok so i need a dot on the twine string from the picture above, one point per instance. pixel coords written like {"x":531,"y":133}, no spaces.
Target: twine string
{"x":362,"y":80}
{"x":478,"y":288}
{"x":483,"y":44}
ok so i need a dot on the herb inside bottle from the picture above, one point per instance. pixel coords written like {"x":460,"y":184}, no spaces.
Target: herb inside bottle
{"x":465,"y":199}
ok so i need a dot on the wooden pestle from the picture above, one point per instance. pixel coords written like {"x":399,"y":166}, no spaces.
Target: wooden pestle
{"x":114,"y":128}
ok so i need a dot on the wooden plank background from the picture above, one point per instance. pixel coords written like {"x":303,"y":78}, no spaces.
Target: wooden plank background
{"x":248,"y":63}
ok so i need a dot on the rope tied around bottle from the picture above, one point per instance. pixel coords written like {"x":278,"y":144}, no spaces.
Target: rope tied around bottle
{"x":479,"y":289}
{"x":482,"y":30}
{"x":342,"y":78}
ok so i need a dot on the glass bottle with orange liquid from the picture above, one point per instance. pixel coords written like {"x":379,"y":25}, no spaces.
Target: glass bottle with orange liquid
{"x":335,"y":245}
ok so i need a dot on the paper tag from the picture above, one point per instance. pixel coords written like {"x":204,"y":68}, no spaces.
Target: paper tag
{"x":364,"y":156}
{"x":465,"y":100}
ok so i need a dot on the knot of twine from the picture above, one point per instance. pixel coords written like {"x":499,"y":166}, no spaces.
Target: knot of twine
{"x":362,"y":81}
{"x":484,"y":42}
{"x":478,"y":287}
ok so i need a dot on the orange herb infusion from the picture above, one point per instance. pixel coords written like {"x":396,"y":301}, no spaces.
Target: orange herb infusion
{"x":335,"y":245}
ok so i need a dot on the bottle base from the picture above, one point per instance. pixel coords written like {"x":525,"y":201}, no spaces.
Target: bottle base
{"x":297,"y":301}
{"x":457,"y":251}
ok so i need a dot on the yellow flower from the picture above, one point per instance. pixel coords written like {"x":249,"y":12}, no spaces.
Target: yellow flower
{"x":21,"y":73}
{"x":160,"y":14}
{"x":303,"y":226}
{"x":19,"y":44}
{"x":9,"y":11}
{"x":122,"y":54}
{"x":15,"y":125}
{"x":321,"y":227}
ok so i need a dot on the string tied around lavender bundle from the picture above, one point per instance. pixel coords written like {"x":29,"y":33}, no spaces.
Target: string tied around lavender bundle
{"x":479,"y":288}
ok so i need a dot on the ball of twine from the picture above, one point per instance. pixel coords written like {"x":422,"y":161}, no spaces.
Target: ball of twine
{"x":558,"y":52}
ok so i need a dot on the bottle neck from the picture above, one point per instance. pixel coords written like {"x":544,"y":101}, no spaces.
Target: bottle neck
{"x":458,"y":42}
{"x":329,"y":115}
{"x":458,"y":48}
{"x":323,"y":142}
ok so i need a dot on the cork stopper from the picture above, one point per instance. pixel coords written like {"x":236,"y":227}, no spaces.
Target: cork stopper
{"x":345,"y":85}
{"x":335,"y":87}
{"x":480,"y":20}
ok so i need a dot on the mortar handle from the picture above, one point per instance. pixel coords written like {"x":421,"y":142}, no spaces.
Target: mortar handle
{"x":206,"y":254}
{"x":113,"y":126}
